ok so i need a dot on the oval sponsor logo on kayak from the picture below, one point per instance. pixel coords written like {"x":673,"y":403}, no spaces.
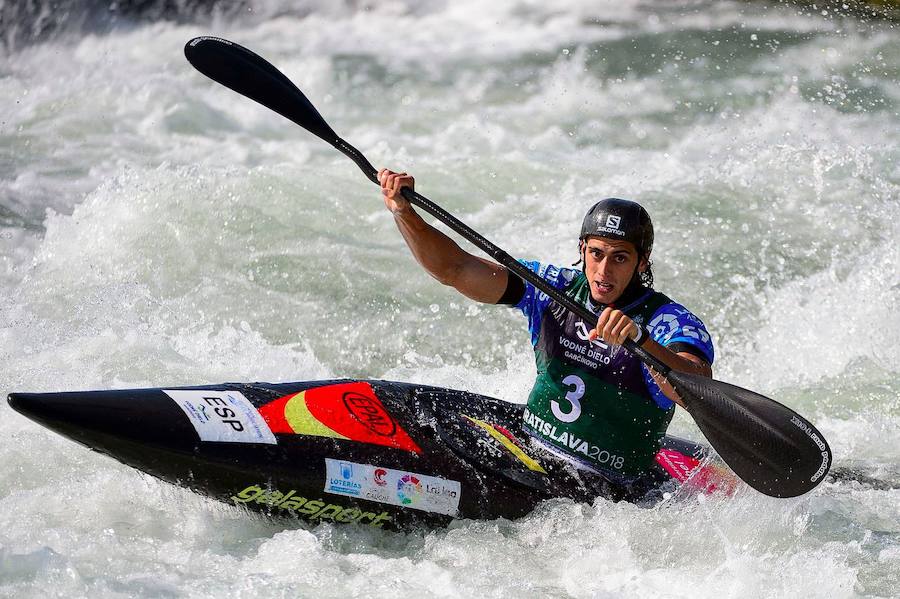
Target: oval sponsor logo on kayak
{"x":370,"y":413}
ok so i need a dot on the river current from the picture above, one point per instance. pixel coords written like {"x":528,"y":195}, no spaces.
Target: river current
{"x":157,"y":229}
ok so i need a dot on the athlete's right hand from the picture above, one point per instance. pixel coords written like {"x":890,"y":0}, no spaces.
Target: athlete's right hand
{"x":391,"y":184}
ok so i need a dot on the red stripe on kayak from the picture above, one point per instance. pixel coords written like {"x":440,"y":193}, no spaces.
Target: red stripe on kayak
{"x":705,"y":478}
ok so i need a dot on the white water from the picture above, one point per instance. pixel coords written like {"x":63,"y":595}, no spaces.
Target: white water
{"x":157,"y":229}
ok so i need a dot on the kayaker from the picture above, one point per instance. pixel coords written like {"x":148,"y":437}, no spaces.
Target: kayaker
{"x":593,"y":402}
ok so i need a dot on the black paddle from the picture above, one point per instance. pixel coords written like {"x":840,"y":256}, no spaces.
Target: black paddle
{"x":772,"y":448}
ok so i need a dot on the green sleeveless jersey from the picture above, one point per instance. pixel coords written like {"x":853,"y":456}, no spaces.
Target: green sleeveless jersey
{"x":595,"y":402}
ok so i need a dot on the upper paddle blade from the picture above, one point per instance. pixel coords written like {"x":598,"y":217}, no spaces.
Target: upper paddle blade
{"x":771,"y":447}
{"x":249,"y":74}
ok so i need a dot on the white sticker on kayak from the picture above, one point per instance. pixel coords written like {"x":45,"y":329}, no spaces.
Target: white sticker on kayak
{"x":395,"y":487}
{"x":224,"y":416}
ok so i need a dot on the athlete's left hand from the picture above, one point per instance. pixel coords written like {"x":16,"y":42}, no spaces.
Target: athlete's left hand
{"x":614,"y":326}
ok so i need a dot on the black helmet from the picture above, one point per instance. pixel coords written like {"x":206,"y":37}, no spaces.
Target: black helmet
{"x":624,"y":220}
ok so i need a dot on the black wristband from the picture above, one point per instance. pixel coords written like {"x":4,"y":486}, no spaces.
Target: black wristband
{"x":642,"y":336}
{"x":515,"y":290}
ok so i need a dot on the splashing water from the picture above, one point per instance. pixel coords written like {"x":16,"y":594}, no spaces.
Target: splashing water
{"x":156,"y":229}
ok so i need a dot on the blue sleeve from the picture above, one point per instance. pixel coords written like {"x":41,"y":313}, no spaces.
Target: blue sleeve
{"x":534,"y":301}
{"x":673,"y":323}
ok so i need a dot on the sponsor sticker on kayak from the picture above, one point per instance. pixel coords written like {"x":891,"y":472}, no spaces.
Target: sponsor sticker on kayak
{"x":342,"y":411}
{"x":394,"y":487}
{"x":222,"y":416}
{"x":313,"y":509}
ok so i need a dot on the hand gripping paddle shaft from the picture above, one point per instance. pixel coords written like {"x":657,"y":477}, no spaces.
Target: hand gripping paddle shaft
{"x":772,"y":448}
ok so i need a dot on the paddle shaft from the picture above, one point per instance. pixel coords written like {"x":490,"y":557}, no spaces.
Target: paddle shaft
{"x":495,"y":252}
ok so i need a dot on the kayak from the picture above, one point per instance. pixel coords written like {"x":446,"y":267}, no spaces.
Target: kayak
{"x":377,"y":453}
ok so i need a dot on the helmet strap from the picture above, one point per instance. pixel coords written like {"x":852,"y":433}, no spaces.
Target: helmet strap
{"x":581,"y":260}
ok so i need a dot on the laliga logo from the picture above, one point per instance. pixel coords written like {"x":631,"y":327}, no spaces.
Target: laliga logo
{"x":408,"y":489}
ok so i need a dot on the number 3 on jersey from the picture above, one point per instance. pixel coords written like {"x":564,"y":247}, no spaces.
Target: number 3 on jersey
{"x":573,"y":396}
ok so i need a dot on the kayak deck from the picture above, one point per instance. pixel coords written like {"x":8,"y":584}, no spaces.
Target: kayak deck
{"x":378,"y":453}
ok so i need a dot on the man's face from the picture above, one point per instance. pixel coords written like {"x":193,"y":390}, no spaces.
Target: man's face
{"x":609,"y":265}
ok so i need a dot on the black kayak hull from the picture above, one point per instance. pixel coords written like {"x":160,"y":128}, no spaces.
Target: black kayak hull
{"x":385,"y":454}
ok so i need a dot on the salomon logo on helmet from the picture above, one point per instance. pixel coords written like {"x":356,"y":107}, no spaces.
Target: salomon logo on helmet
{"x":622,"y":220}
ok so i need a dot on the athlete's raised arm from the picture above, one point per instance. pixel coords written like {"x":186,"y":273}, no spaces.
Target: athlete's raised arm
{"x":477,"y":278}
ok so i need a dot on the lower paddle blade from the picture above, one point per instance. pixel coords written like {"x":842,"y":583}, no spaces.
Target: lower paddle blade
{"x":251,"y":75}
{"x":772,"y":448}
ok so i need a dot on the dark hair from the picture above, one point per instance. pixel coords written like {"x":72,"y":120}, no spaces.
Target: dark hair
{"x":647,"y":275}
